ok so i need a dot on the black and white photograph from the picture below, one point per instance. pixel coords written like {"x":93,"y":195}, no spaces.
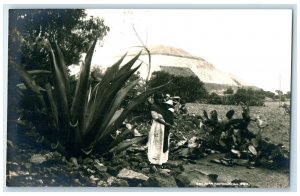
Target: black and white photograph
{"x":149,"y":98}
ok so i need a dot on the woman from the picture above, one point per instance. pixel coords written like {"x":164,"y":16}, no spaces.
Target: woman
{"x":157,"y":153}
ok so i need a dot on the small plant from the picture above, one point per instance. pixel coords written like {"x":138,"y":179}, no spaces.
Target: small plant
{"x":83,"y":119}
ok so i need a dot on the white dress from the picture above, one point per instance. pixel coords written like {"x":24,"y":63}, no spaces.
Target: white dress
{"x":155,"y":141}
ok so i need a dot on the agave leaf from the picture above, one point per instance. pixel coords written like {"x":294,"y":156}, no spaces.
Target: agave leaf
{"x":125,"y":144}
{"x":99,"y":88}
{"x":29,"y":81}
{"x":60,"y":88}
{"x":116,"y":115}
{"x":108,"y":87}
{"x":52,"y":104}
{"x":36,"y":72}
{"x":115,"y":105}
{"x":62,"y":66}
{"x":121,"y":95}
{"x":106,"y":103}
{"x":81,"y":92}
{"x":129,"y":64}
{"x":110,"y":74}
{"x":131,"y":106}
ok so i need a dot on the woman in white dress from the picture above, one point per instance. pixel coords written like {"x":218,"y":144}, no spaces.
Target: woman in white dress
{"x":156,"y":153}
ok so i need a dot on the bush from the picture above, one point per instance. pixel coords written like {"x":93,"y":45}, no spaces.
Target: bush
{"x":189,"y":88}
{"x":229,"y":91}
{"x":248,"y":96}
{"x":214,"y":98}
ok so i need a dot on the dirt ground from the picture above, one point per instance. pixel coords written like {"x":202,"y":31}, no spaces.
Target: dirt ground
{"x":256,"y":177}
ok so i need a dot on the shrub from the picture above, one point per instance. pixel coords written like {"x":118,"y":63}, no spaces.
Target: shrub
{"x":229,"y":91}
{"x":189,"y":88}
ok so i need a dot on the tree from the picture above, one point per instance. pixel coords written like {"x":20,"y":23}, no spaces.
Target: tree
{"x":229,"y":91}
{"x":189,"y":88}
{"x":280,"y":95}
{"x":288,"y":95}
{"x":214,"y":98}
{"x":71,"y":28}
{"x":249,"y":96}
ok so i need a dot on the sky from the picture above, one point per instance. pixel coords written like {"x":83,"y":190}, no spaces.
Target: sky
{"x":252,"y":44}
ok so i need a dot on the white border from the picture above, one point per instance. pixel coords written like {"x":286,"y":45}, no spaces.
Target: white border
{"x":158,"y":3}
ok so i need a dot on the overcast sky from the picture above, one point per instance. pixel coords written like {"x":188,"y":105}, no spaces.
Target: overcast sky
{"x":254,"y":45}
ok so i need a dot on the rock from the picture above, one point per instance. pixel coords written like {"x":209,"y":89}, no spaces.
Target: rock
{"x":133,"y":163}
{"x":192,"y":142}
{"x":136,"y":159}
{"x":37,"y":159}
{"x":91,"y":171}
{"x":146,"y":170}
{"x":74,"y":162}
{"x":153,"y":169}
{"x":143,"y":165}
{"x":160,"y":180}
{"x":184,"y":152}
{"x":132,"y":175}
{"x":137,"y":133}
{"x":116,"y":182}
{"x":63,"y":159}
{"x":103,"y":175}
{"x":76,"y":181}
{"x":88,"y":161}
{"x":193,"y":178}
{"x":102,"y":183}
{"x":93,"y":178}
{"x":165,"y":171}
{"x":174,"y":163}
{"x":40,"y":181}
{"x":53,"y":156}
{"x":114,"y":170}
{"x":100,"y":167}
{"x":13,"y":166}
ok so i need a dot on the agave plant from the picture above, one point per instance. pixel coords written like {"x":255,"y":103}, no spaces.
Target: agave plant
{"x":86,"y":118}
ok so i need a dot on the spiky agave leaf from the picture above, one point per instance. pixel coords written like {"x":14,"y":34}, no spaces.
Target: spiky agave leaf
{"x":120,"y":97}
{"x":114,"y":107}
{"x":131,"y":106}
{"x":106,"y":103}
{"x":81,"y":92}
{"x":38,"y":72}
{"x":125,"y":144}
{"x":60,"y":88}
{"x":30,"y":82}
{"x":62,"y":66}
{"x":105,"y":92}
{"x":98,"y":90}
{"x":129,"y":64}
{"x":52,"y":102}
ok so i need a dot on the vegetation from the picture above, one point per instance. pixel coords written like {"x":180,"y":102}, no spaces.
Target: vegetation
{"x":242,"y":95}
{"x":77,"y":120}
{"x":70,"y":28}
{"x":189,"y":88}
{"x":228,"y":91}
